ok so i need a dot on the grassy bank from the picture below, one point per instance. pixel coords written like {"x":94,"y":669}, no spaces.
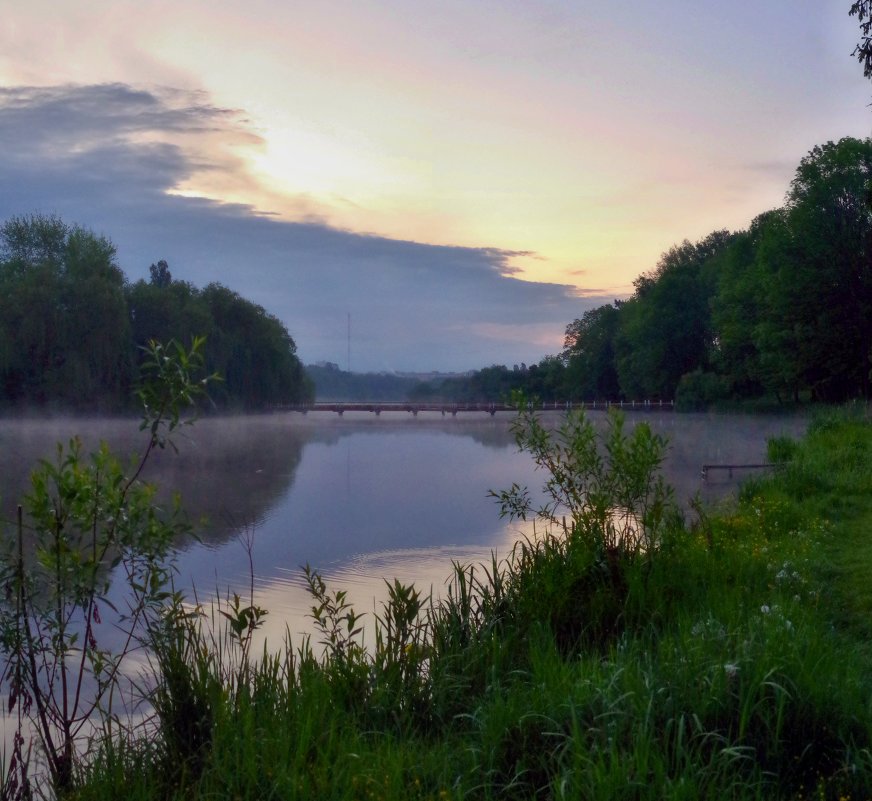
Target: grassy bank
{"x":728,"y":659}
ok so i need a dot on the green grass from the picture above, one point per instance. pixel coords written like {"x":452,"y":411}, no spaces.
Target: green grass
{"x":732,"y":662}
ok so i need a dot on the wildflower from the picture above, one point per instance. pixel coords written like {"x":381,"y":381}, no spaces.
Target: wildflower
{"x":765,"y":609}
{"x":709,"y":628}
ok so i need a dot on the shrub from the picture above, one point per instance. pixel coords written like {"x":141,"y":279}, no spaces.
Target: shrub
{"x":85,"y":518}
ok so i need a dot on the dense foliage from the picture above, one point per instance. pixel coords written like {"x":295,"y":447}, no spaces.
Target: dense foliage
{"x":63,"y":316}
{"x":72,"y":329}
{"x":782,"y":310}
{"x":333,"y":384}
{"x":495,"y":383}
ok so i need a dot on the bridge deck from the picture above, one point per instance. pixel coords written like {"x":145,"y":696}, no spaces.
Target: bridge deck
{"x":377,"y":407}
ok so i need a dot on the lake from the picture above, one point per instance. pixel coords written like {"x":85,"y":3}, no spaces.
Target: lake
{"x":358,"y":497}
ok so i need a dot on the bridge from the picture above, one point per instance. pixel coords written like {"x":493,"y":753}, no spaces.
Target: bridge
{"x":377,"y":407}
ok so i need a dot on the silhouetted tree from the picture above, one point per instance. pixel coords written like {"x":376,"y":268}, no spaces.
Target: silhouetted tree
{"x":825,"y":285}
{"x":160,"y":274}
{"x":589,"y":355}
{"x":71,"y":329}
{"x":249,"y":348}
{"x":665,"y":328}
{"x":862,"y":9}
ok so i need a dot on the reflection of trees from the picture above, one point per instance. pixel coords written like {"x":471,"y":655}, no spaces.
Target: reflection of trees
{"x":24,"y":442}
{"x":228,"y":471}
{"x":231,"y":471}
{"x":492,"y":432}
{"x":234,"y":470}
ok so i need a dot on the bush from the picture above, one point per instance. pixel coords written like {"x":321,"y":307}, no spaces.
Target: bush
{"x":698,"y":390}
{"x":85,"y":517}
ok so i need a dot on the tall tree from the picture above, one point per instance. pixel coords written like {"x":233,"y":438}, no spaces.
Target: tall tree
{"x":253,"y":352}
{"x":589,"y":354}
{"x":249,"y":348}
{"x":793,"y":310}
{"x":160,"y":274}
{"x":827,"y":290}
{"x":665,"y":328}
{"x":62,"y":315}
{"x":742,"y":317}
{"x":94,"y":322}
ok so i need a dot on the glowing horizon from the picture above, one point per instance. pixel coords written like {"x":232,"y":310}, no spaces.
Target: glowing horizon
{"x":579,"y":143}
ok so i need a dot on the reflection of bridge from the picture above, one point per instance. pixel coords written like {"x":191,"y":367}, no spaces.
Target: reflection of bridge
{"x":377,"y":407}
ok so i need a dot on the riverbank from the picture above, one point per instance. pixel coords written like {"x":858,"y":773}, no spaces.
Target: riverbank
{"x":731,"y":661}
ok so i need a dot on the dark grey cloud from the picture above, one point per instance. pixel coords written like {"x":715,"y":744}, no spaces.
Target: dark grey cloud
{"x":106,"y":156}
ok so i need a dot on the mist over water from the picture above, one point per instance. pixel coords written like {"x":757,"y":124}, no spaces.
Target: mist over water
{"x":358,"y":497}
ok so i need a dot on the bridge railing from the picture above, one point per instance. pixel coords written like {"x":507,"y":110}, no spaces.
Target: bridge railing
{"x":377,"y":407}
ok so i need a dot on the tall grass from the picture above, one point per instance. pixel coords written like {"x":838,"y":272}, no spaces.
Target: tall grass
{"x":724,"y":660}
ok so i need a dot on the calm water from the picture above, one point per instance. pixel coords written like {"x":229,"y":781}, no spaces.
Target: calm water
{"x":358,"y":497}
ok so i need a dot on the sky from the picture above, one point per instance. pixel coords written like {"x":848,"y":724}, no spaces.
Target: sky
{"x":462,"y":178}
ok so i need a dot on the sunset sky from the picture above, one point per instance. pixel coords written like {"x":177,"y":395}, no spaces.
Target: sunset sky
{"x":463,"y":178}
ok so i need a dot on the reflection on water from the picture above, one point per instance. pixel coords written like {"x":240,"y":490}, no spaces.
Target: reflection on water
{"x":402,"y":497}
{"x":229,"y":472}
{"x":359,"y":497}
{"x":370,"y":500}
{"x":363,"y":577}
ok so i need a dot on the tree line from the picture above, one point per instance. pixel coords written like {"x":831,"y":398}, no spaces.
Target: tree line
{"x":781,"y":310}
{"x":72,"y":327}
{"x":334,"y":384}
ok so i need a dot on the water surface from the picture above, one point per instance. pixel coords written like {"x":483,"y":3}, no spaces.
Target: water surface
{"x":359,"y":498}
